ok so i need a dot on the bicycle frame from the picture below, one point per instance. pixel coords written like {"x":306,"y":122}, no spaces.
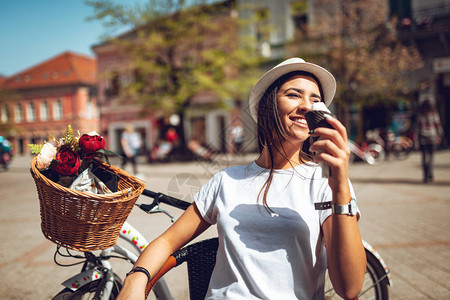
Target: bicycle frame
{"x":139,"y":242}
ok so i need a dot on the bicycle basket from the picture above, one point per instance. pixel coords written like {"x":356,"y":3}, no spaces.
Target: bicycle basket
{"x":85,"y":221}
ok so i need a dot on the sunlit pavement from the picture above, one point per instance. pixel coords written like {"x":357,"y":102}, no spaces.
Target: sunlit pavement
{"x":405,"y":220}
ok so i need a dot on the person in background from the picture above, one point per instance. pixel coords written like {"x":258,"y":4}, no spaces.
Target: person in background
{"x":131,"y":144}
{"x":6,"y":152}
{"x":237,"y":136}
{"x":280,"y":223}
{"x":171,"y":136}
{"x":430,"y":133}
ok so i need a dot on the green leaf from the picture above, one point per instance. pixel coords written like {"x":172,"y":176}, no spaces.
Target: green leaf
{"x":108,"y":153}
{"x":35,"y":148}
{"x":107,"y":160}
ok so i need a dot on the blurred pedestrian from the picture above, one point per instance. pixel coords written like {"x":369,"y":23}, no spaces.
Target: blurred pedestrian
{"x":6,"y":152}
{"x":131,"y":144}
{"x":171,"y":136}
{"x":237,"y":136}
{"x":430,"y":133}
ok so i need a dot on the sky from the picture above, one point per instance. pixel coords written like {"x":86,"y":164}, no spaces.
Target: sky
{"x":32,"y":31}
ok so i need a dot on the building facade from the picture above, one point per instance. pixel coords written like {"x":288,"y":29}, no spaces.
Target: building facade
{"x":426,"y":24}
{"x":41,"y":101}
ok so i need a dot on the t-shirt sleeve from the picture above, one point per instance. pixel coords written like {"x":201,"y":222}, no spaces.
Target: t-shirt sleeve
{"x":325,"y":194}
{"x":206,"y":198}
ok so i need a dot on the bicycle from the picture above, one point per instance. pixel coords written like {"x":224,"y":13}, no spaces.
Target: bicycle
{"x":97,"y":279}
{"x":372,"y":153}
{"x":399,"y":146}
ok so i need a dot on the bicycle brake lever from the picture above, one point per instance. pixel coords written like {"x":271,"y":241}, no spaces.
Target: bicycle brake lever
{"x":160,"y":210}
{"x":153,"y":209}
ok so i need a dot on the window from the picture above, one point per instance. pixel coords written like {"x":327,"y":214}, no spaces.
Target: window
{"x":5,"y":114}
{"x":299,"y":11}
{"x":262,"y":29}
{"x":31,"y":112}
{"x":18,"y":113}
{"x":89,"y":109}
{"x":57,"y":110}
{"x":113,"y":85}
{"x":43,"y":111}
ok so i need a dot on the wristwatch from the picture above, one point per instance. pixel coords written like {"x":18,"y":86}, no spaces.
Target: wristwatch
{"x":348,"y":209}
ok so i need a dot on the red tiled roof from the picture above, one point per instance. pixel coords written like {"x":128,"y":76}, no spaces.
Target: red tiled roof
{"x":66,"y":68}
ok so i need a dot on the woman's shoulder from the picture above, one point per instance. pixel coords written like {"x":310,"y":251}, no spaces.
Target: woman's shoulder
{"x":239,"y":169}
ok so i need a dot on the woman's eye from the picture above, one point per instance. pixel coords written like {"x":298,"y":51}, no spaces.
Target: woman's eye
{"x":294,"y":95}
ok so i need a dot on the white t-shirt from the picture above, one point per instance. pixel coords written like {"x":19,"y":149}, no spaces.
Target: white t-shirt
{"x":263,"y":255}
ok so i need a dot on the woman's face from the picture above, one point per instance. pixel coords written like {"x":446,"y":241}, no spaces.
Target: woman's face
{"x":295,"y":98}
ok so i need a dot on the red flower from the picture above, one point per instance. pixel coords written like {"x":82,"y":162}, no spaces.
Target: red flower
{"x":91,"y":143}
{"x":68,"y":162}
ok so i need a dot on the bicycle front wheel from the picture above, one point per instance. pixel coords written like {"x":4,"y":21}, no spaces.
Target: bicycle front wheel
{"x":375,"y":282}
{"x":88,"y":291}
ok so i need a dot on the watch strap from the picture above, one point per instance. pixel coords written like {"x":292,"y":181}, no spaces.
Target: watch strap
{"x":322,"y":205}
{"x":347,"y":209}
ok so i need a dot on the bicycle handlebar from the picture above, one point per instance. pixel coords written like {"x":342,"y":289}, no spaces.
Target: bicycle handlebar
{"x":162,"y":198}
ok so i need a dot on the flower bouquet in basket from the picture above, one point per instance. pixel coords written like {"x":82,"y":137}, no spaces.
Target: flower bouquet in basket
{"x":84,"y":200}
{"x":72,"y":161}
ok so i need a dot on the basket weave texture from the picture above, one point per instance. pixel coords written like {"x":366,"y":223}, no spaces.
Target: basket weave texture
{"x":84,"y":221}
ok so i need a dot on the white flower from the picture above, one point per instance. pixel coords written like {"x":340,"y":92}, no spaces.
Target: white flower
{"x":93,"y":133}
{"x":46,"y":156}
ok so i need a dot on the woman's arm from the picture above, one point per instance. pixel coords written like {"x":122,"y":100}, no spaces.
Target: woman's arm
{"x":345,"y":251}
{"x":186,"y":228}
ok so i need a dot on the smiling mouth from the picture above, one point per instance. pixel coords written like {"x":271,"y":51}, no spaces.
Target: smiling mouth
{"x":299,"y":121}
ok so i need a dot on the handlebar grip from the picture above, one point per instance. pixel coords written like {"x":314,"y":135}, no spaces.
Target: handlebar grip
{"x":159,"y":197}
{"x":149,"y":193}
{"x":174,"y":202}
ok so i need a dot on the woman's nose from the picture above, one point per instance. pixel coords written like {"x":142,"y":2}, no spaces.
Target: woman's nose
{"x":304,"y":105}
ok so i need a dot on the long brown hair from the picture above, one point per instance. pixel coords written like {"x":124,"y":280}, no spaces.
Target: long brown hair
{"x":271,"y":131}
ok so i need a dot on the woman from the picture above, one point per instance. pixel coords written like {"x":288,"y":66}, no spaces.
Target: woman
{"x":271,"y":238}
{"x":430,"y":133}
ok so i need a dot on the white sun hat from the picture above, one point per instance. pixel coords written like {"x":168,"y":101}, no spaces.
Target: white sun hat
{"x":326,"y":79}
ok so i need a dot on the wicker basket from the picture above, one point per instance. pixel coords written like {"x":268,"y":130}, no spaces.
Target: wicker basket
{"x":84,"y":221}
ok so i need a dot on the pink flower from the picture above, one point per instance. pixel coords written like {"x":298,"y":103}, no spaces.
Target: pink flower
{"x":45,"y":157}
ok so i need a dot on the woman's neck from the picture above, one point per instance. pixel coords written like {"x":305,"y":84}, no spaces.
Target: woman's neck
{"x":284,"y":160}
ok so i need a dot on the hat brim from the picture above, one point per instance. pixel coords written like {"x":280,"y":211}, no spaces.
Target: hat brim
{"x":326,"y":79}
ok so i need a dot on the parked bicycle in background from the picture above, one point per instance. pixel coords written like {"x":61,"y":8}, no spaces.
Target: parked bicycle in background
{"x":397,"y":145}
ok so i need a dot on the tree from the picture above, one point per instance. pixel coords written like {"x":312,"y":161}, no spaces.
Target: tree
{"x":179,"y":52}
{"x":355,"y":40}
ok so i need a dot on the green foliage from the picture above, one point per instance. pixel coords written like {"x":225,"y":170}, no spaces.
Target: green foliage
{"x":70,"y":140}
{"x":358,"y":44}
{"x":180,"y":50}
{"x":35,"y":148}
